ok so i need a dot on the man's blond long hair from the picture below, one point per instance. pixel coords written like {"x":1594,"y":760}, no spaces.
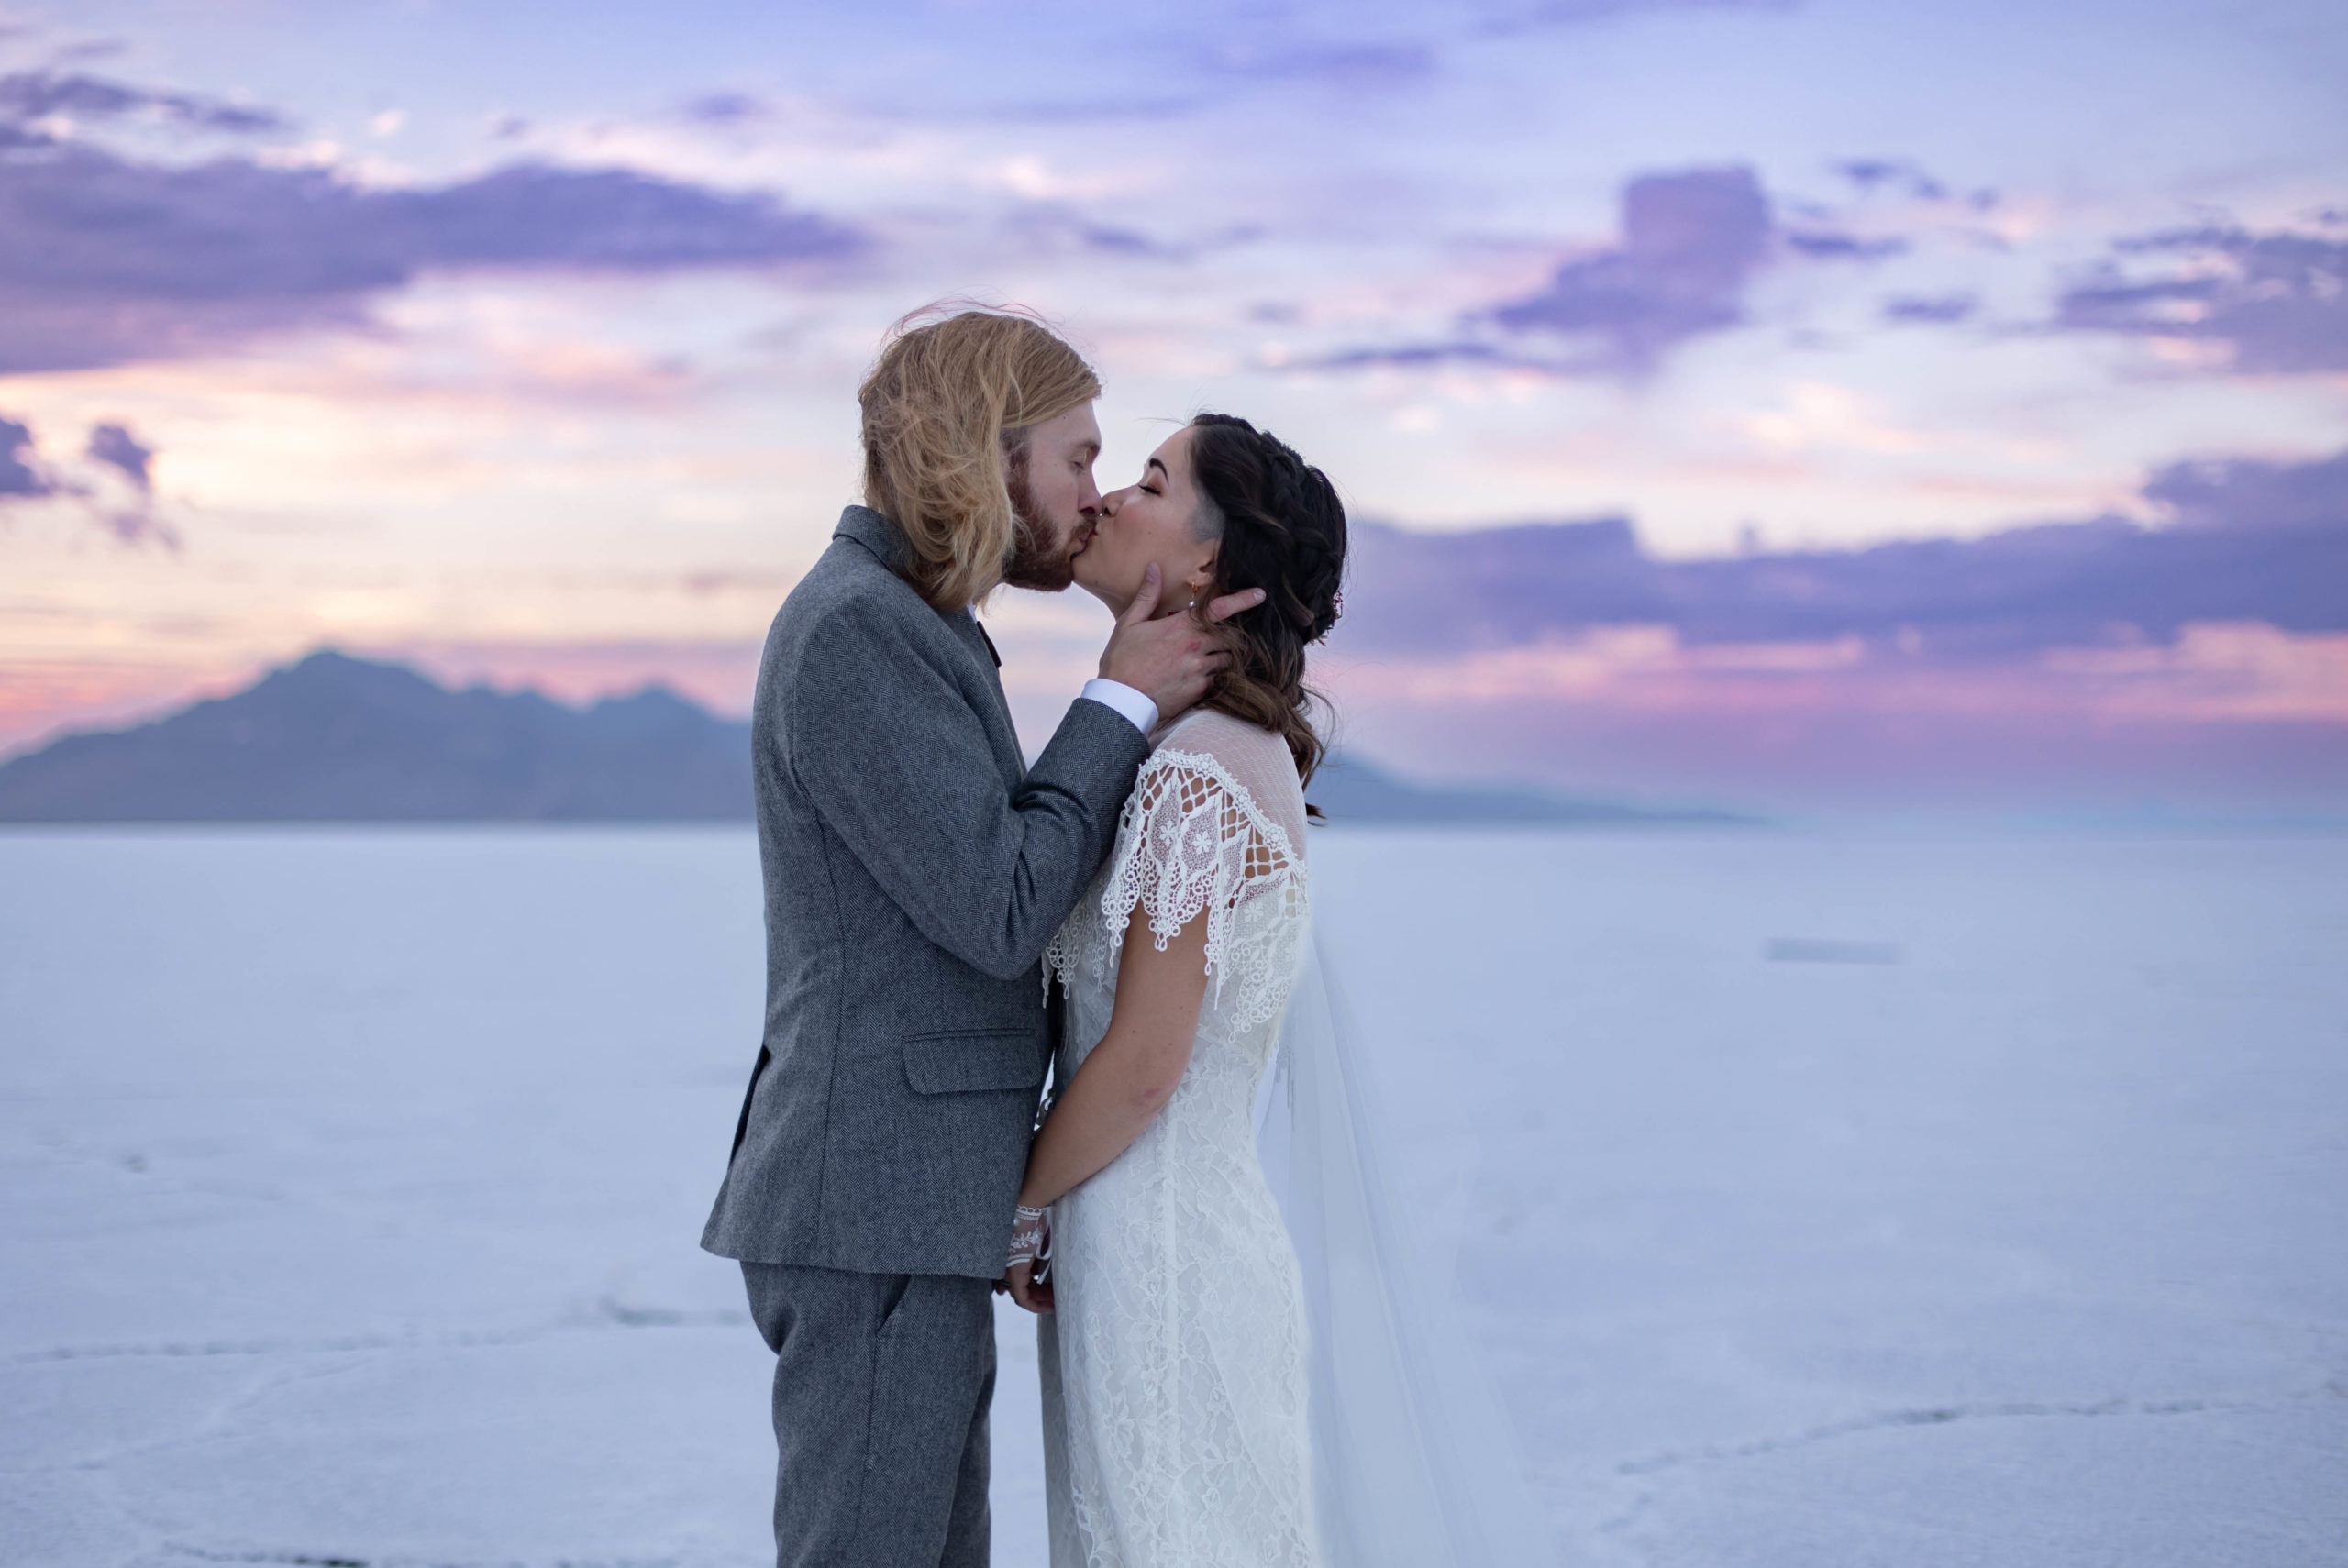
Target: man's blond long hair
{"x":945,"y":411}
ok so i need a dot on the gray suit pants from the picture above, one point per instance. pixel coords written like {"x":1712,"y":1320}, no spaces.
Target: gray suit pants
{"x":882,"y":1386}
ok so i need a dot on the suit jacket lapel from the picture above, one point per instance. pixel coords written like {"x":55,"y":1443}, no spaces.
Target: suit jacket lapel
{"x":878,"y":534}
{"x":1000,"y":731}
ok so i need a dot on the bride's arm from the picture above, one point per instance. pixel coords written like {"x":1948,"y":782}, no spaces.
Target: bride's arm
{"x":1199,"y":849}
{"x":1128,"y":1077}
{"x":1125,"y":1080}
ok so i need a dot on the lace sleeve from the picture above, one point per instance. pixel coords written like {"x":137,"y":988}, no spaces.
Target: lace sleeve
{"x":1193,"y":841}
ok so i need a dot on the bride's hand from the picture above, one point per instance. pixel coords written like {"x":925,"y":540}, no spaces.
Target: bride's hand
{"x":1020,"y":1280}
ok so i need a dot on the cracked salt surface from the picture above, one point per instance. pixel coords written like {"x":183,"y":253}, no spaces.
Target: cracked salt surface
{"x":355,"y":1178}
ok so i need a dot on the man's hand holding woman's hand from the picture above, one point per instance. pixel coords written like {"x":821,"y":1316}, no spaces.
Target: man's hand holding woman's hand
{"x":1170,"y":659}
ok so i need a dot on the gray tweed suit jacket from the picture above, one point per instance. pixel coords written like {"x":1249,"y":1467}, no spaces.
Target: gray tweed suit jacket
{"x":916,"y":869}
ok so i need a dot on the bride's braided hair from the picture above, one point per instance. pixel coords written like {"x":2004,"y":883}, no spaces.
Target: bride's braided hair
{"x":1283,"y":530}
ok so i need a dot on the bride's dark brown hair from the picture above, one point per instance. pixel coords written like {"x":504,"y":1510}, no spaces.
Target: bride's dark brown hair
{"x":1283,"y":530}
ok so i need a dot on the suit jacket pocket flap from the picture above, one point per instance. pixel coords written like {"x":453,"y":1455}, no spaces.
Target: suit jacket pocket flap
{"x":979,"y":1059}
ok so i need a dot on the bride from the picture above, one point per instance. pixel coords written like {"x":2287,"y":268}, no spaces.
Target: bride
{"x":1173,"y":1350}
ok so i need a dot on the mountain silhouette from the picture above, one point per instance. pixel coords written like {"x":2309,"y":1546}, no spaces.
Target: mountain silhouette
{"x":341,"y":739}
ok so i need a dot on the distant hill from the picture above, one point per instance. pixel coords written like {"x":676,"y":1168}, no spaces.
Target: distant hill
{"x":339,"y":739}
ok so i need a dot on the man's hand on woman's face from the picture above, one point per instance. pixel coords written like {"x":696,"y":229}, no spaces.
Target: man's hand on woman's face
{"x":1174,"y":658}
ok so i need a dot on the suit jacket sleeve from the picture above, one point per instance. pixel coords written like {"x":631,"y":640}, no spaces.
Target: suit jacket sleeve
{"x":888,"y":748}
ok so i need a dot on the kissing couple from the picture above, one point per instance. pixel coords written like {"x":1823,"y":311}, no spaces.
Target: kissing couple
{"x":948,"y":924}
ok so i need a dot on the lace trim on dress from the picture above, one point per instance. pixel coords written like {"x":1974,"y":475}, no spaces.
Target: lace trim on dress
{"x":1193,"y":839}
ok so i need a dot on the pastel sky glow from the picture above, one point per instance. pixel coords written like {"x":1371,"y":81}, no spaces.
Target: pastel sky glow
{"x":521,"y":338}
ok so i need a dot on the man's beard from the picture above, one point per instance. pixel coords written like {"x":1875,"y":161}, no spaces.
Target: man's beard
{"x":1034,"y":562}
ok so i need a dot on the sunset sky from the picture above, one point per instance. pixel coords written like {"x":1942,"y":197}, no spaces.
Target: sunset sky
{"x":521,"y":339}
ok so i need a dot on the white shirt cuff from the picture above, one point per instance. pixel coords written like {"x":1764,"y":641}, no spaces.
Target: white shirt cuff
{"x":1138,"y":709}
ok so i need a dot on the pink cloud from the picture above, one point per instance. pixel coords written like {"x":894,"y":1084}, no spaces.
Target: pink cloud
{"x":42,"y":698}
{"x":2233,"y":714}
{"x":2214,"y":672}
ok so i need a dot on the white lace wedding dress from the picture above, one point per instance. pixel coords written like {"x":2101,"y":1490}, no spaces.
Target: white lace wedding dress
{"x":1174,"y":1380}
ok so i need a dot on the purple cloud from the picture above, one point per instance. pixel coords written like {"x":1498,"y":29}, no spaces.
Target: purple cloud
{"x":1829,"y":245}
{"x":117,"y":448}
{"x":1930,"y":309}
{"x":1690,"y":243}
{"x":1059,"y":225}
{"x":536,"y":215}
{"x":727,"y":109}
{"x":35,"y":94}
{"x":2274,"y":303}
{"x":137,"y":526}
{"x":2242,"y":492}
{"x":105,"y":260}
{"x":111,"y":447}
{"x":19,"y":479}
{"x":1899,"y":174}
{"x":1352,"y":66}
{"x":2081,"y":584}
{"x":1500,"y":17}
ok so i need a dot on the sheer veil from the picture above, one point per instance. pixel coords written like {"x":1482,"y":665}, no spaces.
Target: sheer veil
{"x":1413,"y":1463}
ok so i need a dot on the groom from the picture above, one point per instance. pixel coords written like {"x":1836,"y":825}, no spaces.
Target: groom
{"x":915,"y":868}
